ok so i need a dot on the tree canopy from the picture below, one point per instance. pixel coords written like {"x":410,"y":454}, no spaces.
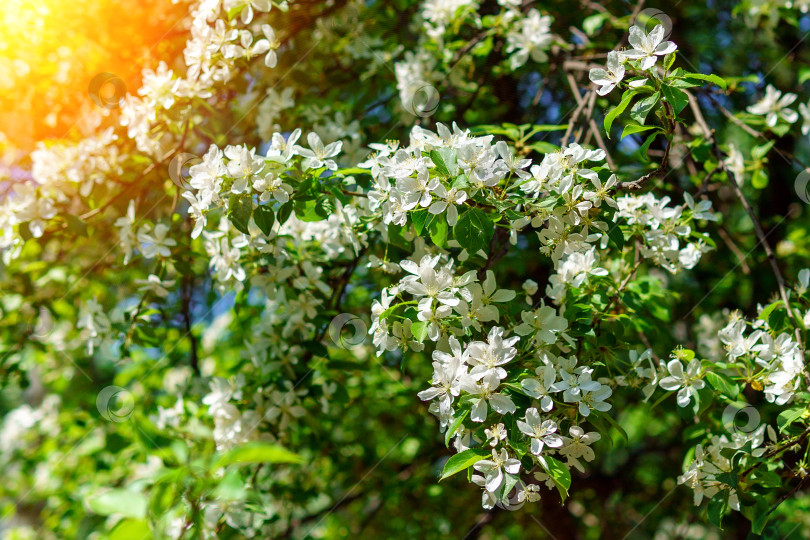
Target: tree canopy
{"x":435,"y":268}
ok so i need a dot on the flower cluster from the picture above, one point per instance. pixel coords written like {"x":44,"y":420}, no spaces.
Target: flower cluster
{"x":530,"y":37}
{"x":669,"y":238}
{"x":476,"y":359}
{"x":712,"y":462}
{"x":526,"y":32}
{"x":216,"y":46}
{"x":766,"y":358}
{"x":644,"y":55}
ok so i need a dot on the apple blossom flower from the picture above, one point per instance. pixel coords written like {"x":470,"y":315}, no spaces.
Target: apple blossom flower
{"x":318,"y":155}
{"x":610,"y":76}
{"x":774,"y":106}
{"x":687,"y":383}
{"x":647,"y":47}
{"x":494,"y":469}
{"x":541,"y":432}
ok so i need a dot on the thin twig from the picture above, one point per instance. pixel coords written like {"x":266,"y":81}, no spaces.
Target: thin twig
{"x":733,"y":247}
{"x":636,"y":185}
{"x":780,"y":280}
{"x":589,"y":112}
{"x":615,"y":297}
{"x":577,"y":112}
{"x":778,"y":450}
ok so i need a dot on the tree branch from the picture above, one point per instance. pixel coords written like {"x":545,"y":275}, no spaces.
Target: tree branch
{"x":638,"y":184}
{"x":762,"y":237}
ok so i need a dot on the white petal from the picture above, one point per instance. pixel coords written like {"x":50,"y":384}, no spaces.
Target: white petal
{"x":479,"y":411}
{"x":501,"y":403}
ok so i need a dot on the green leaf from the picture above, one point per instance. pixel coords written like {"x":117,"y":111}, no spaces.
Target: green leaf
{"x":454,"y":427}
{"x":257,"y":452}
{"x":351,"y":171}
{"x":537,"y":128}
{"x":786,"y":418}
{"x":759,"y":179}
{"x":714,"y":79}
{"x":231,"y":487}
{"x":484,"y":47}
{"x":616,"y":236}
{"x":234,"y":12}
{"x":240,"y":208}
{"x":384,"y":315}
{"x":129,"y":504}
{"x":593,"y":23}
{"x":755,"y":511}
{"x":462,"y":461}
{"x":686,"y":355}
{"x":722,"y":384}
{"x":461,"y":182}
{"x":630,"y":129}
{"x":759,"y":152}
{"x":131,"y":529}
{"x":438,"y":232}
{"x":446,"y":161}
{"x":264,"y":218}
{"x":543,"y":147}
{"x":645,"y":146}
{"x":284,"y":212}
{"x":559,"y":474}
{"x":758,"y":525}
{"x":766,"y":479}
{"x":163,"y":494}
{"x":311,"y":210}
{"x":642,"y":108}
{"x":729,"y":478}
{"x":669,"y":59}
{"x":682,"y":83}
{"x":716,"y":508}
{"x":675,"y":97}
{"x":473,"y":230}
{"x":617,"y":427}
{"x":765,"y":313}
{"x":420,"y":218}
{"x":419,"y":330}
{"x":612,"y":115}
{"x":510,"y":131}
